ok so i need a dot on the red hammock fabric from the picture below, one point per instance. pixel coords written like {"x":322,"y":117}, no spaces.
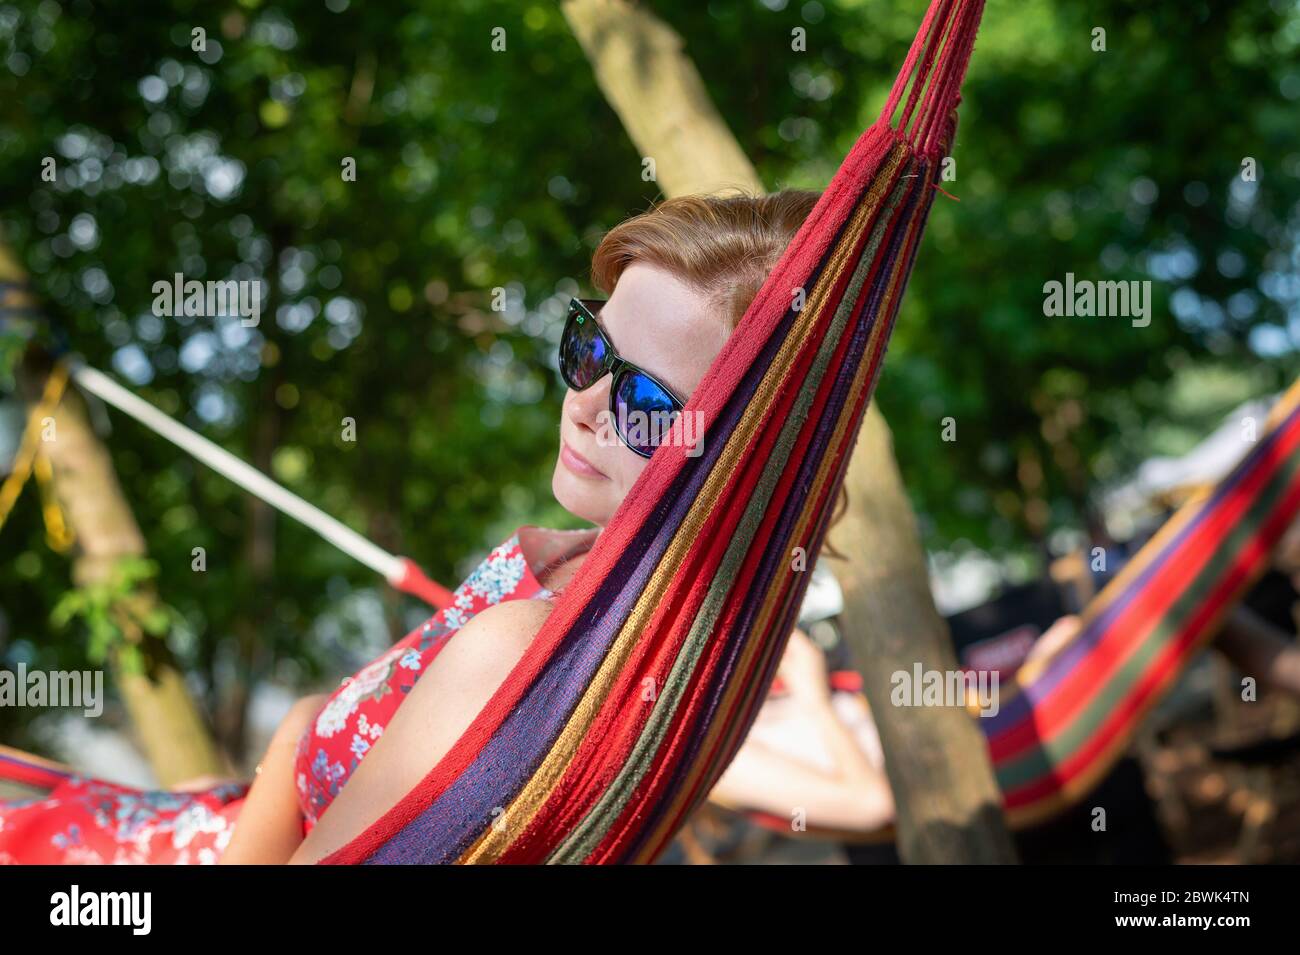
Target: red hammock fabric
{"x":690,"y":589}
{"x":82,"y":820}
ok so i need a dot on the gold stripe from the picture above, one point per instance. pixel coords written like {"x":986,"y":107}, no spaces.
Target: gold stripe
{"x":1143,"y":560}
{"x":514,"y":820}
{"x":776,"y":596}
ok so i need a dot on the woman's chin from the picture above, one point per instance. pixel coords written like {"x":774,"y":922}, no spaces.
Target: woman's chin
{"x":576,"y":498}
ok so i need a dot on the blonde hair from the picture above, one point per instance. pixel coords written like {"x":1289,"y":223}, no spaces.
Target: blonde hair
{"x":723,"y":246}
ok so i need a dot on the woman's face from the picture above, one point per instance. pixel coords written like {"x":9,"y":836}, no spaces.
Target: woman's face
{"x":661,"y":324}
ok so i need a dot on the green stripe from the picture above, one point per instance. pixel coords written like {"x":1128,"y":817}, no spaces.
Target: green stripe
{"x":591,"y":831}
{"x":1041,"y":760}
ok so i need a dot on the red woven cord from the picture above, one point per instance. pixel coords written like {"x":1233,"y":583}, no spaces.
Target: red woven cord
{"x":943,"y":46}
{"x":416,"y":583}
{"x":739,"y":352}
{"x":922,"y":41}
{"x":953,"y":71}
{"x":923,"y":82}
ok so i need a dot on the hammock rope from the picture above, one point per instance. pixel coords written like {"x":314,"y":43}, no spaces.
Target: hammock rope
{"x":31,"y":461}
{"x":639,"y":688}
{"x":401,"y":573}
{"x":19,"y":314}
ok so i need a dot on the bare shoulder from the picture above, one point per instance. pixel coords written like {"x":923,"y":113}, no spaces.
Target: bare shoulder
{"x":462,"y":678}
{"x":502,"y":630}
{"x":443,"y":703}
{"x":479,"y":656}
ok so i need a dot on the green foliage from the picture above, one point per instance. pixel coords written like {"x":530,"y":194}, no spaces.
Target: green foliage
{"x":479,"y":170}
{"x":119,"y":614}
{"x":1123,"y":165}
{"x":11,"y":351}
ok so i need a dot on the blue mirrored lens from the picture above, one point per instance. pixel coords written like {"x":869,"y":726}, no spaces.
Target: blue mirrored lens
{"x":645,"y":413}
{"x":582,"y":353}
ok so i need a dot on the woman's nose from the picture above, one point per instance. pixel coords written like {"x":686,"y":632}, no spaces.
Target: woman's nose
{"x":586,"y":407}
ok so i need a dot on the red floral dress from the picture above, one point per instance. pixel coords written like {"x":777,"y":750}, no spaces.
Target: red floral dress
{"x":355,"y":714}
{"x":86,"y":820}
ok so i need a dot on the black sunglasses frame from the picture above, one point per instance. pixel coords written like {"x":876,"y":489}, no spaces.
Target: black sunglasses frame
{"x":582,"y":310}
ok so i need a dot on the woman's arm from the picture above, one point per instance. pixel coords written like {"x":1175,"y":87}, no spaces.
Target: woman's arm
{"x":856,"y":796}
{"x":269,"y":827}
{"x":457,"y":685}
{"x":1259,"y":649}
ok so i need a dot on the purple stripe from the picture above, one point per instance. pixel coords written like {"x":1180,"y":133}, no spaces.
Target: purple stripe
{"x":1021,"y":706}
{"x":33,"y":767}
{"x":792,"y":509}
{"x":455,"y":819}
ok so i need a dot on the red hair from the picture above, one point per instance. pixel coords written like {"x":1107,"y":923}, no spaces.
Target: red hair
{"x":723,"y":246}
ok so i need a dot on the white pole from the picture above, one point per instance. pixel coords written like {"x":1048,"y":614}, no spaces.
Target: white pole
{"x":249,"y":478}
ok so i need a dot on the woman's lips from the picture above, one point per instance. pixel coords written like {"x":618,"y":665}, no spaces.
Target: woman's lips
{"x":576,"y":463}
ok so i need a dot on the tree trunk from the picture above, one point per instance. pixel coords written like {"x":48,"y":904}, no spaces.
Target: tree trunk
{"x":949,"y":805}
{"x":657,"y":92}
{"x":170,"y":730}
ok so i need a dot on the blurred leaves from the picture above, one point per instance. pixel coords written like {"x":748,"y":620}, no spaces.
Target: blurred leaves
{"x":479,"y":170}
{"x":118,"y":614}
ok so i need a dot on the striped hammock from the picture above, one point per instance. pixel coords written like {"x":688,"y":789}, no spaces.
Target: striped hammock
{"x":643,"y":682}
{"x":638,"y":691}
{"x":24,"y":769}
{"x":1069,"y":717}
{"x":1065,"y":720}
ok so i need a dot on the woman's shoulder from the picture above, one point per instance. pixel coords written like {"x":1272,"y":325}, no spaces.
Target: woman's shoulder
{"x":473,"y":665}
{"x":508,"y":617}
{"x":494,"y":639}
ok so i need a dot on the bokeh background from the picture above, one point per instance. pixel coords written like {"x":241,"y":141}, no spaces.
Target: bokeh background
{"x":479,"y":170}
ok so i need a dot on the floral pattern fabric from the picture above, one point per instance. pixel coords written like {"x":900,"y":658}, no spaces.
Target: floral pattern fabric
{"x":92,"y":822}
{"x":86,"y":820}
{"x":356,"y":713}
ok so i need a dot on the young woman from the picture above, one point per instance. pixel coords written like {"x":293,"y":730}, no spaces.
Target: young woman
{"x":680,"y":276}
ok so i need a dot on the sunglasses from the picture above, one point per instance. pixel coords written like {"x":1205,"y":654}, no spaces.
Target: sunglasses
{"x":643,"y":408}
